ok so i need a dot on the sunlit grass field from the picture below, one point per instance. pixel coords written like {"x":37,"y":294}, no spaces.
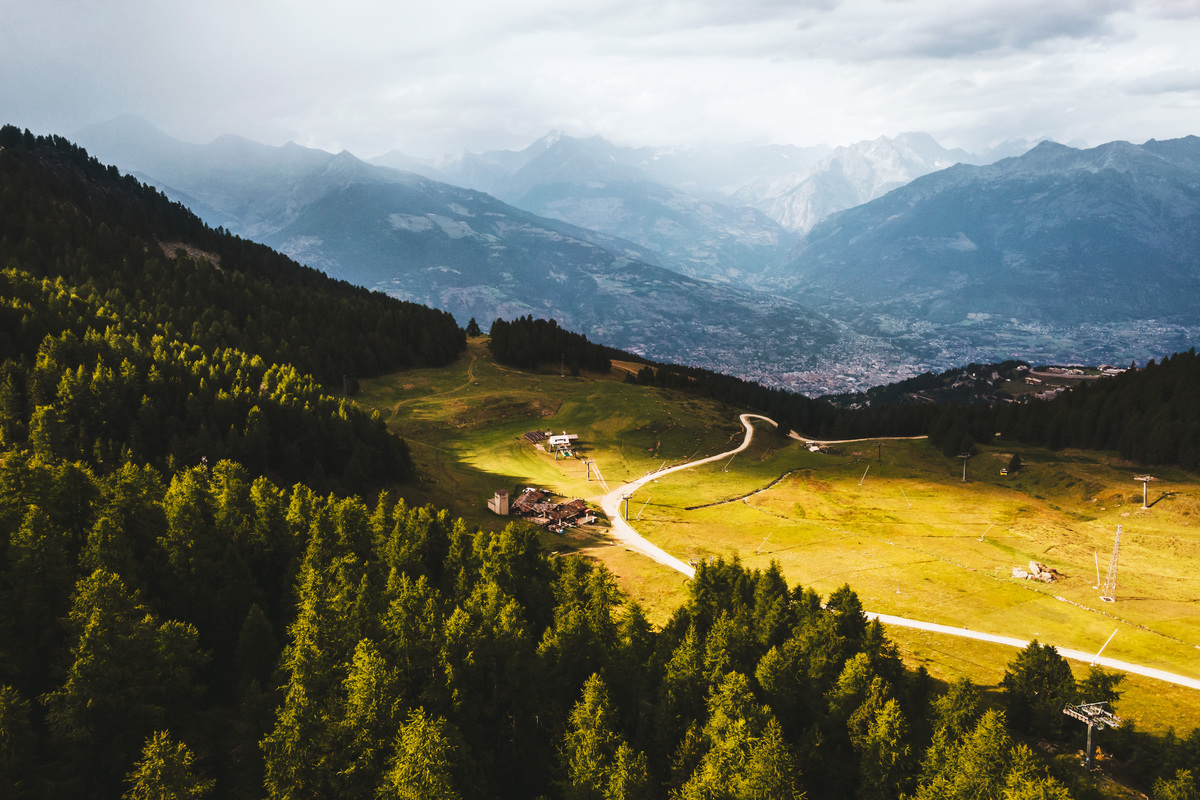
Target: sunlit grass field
{"x":896,"y":522}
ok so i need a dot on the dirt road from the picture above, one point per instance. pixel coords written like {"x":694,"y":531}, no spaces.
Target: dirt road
{"x":624,"y":533}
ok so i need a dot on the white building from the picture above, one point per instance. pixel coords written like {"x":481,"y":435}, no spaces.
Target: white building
{"x":563,"y":440}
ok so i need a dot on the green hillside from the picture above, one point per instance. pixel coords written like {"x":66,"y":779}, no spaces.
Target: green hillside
{"x":911,"y":537}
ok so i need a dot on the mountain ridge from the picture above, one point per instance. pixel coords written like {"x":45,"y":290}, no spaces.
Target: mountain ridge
{"x":475,"y":256}
{"x":1077,"y":254}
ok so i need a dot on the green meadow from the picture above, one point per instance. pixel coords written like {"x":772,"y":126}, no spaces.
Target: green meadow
{"x":895,"y":521}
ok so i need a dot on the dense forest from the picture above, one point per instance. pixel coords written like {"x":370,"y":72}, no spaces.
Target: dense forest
{"x":187,"y":610}
{"x":1149,"y":415}
{"x":527,"y":343}
{"x":159,"y":269}
{"x":117,"y":347}
{"x":215,"y":630}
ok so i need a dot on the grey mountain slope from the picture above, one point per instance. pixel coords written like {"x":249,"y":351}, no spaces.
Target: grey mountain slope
{"x":235,"y":178}
{"x":480,"y":259}
{"x":473,"y":255}
{"x":1100,"y":235}
{"x":1058,"y":255}
{"x":847,"y":177}
{"x":593,"y":184}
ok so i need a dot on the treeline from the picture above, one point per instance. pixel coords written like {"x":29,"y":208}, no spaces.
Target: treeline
{"x":67,"y":216}
{"x":113,"y":352}
{"x":529,"y":343}
{"x":1149,"y":415}
{"x":76,"y":384}
{"x":960,"y":386}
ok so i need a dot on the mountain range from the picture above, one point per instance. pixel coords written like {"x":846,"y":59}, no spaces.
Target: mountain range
{"x":471,"y":254}
{"x":723,"y":224}
{"x":1061,"y":253}
{"x":892,"y":257}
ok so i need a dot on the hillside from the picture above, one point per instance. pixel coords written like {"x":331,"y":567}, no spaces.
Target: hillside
{"x":592,"y":184}
{"x":911,"y":531}
{"x":128,"y":322}
{"x":1071,"y":255}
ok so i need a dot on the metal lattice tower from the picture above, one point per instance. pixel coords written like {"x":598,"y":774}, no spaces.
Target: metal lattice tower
{"x":1110,"y":581}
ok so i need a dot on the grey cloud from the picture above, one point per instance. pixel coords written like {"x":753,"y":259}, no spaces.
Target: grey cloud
{"x":906,"y":30}
{"x":1175,"y":80}
{"x":1172,"y":9}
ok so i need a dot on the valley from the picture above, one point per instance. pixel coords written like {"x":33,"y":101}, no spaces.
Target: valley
{"x":906,"y":532}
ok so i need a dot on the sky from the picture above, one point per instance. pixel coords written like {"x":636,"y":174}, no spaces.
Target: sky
{"x":433,"y":78}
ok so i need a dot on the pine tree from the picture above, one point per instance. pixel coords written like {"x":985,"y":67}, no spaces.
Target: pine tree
{"x":166,"y":771}
{"x":1038,"y":685}
{"x":423,"y":767}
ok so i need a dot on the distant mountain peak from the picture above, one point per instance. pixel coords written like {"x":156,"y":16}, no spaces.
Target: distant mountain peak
{"x":550,"y":139}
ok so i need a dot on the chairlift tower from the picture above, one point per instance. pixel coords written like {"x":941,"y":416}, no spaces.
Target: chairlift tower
{"x":1096,"y":715}
{"x":1110,"y":582}
{"x":1145,"y":479}
{"x":965,"y":457}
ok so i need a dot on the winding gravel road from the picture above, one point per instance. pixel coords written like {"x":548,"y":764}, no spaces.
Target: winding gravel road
{"x":624,"y":533}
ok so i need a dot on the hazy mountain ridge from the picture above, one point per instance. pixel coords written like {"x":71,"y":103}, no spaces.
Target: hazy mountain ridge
{"x":1063,"y":252}
{"x":795,"y":187}
{"x":471,"y":254}
{"x":596,"y":185}
{"x":848,"y":177}
{"x":1058,"y":255}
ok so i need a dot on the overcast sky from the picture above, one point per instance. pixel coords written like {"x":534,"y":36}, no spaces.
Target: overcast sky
{"x":440,"y":76}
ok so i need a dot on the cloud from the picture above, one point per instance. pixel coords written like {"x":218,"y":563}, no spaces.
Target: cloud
{"x":430,"y":78}
{"x":918,"y":29}
{"x":1176,"y":80}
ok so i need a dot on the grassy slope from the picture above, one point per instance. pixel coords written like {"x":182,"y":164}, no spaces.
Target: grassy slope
{"x":907,"y":537}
